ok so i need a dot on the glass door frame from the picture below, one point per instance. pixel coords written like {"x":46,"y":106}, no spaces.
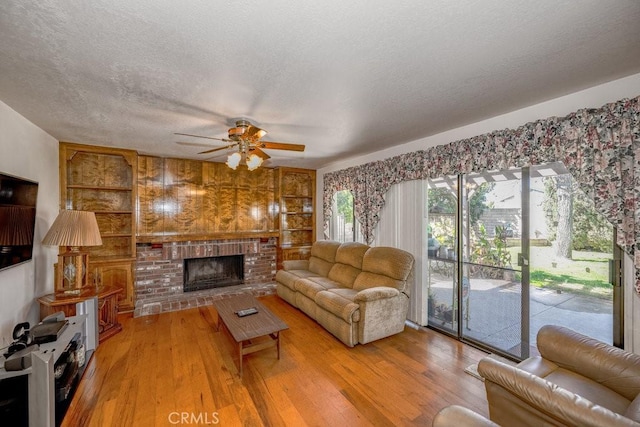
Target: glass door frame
{"x":523,"y":262}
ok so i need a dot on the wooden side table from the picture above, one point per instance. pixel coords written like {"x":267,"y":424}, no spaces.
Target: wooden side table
{"x":108,"y":324}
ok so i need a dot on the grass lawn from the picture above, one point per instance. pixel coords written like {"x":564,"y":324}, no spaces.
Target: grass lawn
{"x":587,"y":272}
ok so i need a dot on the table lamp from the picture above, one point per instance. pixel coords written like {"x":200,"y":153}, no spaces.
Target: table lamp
{"x":73,"y":229}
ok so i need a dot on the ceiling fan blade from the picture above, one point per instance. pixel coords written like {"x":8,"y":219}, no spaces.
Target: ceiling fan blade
{"x":254,"y":133}
{"x":213,"y":150}
{"x":200,"y":136}
{"x":280,"y":146}
{"x":258,"y":152}
{"x":214,"y":156}
{"x":193,"y":144}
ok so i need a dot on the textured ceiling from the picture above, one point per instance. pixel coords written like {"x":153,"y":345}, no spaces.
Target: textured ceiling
{"x":344,"y":78}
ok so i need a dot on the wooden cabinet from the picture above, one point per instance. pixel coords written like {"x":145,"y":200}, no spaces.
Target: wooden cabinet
{"x":102,"y":180}
{"x":295,"y":189}
{"x":116,"y":274}
{"x":107,"y":309}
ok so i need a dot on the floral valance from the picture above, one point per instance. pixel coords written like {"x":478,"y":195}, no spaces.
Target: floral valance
{"x":600,"y":148}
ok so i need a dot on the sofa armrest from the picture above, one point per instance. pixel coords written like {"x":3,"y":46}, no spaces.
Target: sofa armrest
{"x":295,"y":264}
{"x":517,"y":397}
{"x":383,"y":311}
{"x":610,"y":366}
{"x":459,"y":416}
{"x":377,"y":293}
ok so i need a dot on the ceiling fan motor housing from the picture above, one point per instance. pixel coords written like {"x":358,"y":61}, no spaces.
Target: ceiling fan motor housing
{"x":236,"y":133}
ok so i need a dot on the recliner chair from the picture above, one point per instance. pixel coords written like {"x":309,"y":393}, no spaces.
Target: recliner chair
{"x":576,"y":380}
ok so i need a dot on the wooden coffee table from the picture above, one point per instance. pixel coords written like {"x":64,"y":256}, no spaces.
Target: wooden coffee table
{"x":251,"y":333}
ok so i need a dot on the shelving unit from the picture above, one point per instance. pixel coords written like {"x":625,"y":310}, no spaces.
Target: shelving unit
{"x":295,"y":189}
{"x":101,"y":180}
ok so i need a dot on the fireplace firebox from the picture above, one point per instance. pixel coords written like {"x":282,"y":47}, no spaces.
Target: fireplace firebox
{"x":213,"y":272}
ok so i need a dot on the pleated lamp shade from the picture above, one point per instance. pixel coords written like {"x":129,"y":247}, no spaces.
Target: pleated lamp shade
{"x":74,"y":229}
{"x":18,"y":224}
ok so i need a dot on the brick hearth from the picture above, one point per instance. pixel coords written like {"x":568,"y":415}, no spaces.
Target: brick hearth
{"x":159,"y":272}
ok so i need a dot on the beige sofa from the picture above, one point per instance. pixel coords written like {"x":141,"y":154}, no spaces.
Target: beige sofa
{"x":356,"y":292}
{"x":576,"y":380}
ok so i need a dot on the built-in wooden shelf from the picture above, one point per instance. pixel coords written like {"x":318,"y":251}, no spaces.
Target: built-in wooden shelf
{"x":98,"y":188}
{"x":295,"y":190}
{"x":102,"y":180}
{"x":113,"y":212}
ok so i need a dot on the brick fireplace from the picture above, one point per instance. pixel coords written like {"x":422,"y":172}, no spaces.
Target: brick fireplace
{"x":160,"y":272}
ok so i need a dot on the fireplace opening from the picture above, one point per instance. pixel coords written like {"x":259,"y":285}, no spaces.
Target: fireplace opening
{"x":213,"y":272}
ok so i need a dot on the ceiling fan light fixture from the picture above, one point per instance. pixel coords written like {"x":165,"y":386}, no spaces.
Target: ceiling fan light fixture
{"x":253,"y":161}
{"x":234,"y":160}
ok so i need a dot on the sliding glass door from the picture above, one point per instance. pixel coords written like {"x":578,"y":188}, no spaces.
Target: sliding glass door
{"x":510,"y":251}
{"x":494,"y":307}
{"x":574,"y":265}
{"x":442,"y":252}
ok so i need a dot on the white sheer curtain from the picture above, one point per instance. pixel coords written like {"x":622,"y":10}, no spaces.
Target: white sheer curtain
{"x":403,"y":225}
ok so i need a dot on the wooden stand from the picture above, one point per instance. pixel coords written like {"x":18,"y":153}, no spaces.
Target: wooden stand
{"x":108,"y":324}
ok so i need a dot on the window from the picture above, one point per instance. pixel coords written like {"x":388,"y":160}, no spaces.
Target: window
{"x":343,"y":226}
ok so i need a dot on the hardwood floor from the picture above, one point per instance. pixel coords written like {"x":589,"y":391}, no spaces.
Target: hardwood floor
{"x":176,"y":369}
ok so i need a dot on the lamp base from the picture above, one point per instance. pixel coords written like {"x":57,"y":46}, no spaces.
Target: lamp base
{"x":71,"y":272}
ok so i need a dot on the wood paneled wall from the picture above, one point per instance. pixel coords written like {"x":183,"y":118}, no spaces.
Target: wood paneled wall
{"x":182,"y":199}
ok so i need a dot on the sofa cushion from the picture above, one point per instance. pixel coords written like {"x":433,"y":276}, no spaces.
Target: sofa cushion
{"x":344,"y":274}
{"x":288,"y":277}
{"x":323,"y":255}
{"x":351,"y":253}
{"x":391,"y":262}
{"x":338,"y":305}
{"x":310,"y":287}
{"x":589,"y":389}
{"x":325,"y":249}
{"x":366,"y":280}
{"x":348,"y":263}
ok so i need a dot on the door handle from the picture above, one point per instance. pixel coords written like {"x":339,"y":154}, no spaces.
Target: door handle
{"x":615,"y":272}
{"x":522,"y":260}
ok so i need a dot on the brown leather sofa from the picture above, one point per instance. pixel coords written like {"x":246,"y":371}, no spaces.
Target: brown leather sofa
{"x":576,"y":380}
{"x":459,"y":416}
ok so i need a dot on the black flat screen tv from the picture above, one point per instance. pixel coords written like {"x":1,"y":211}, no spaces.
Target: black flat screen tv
{"x":17,"y":219}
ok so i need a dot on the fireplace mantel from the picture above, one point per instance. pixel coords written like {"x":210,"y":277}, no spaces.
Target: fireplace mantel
{"x":168,"y":238}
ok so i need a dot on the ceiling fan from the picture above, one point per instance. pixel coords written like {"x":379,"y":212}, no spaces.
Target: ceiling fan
{"x":246,"y":137}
